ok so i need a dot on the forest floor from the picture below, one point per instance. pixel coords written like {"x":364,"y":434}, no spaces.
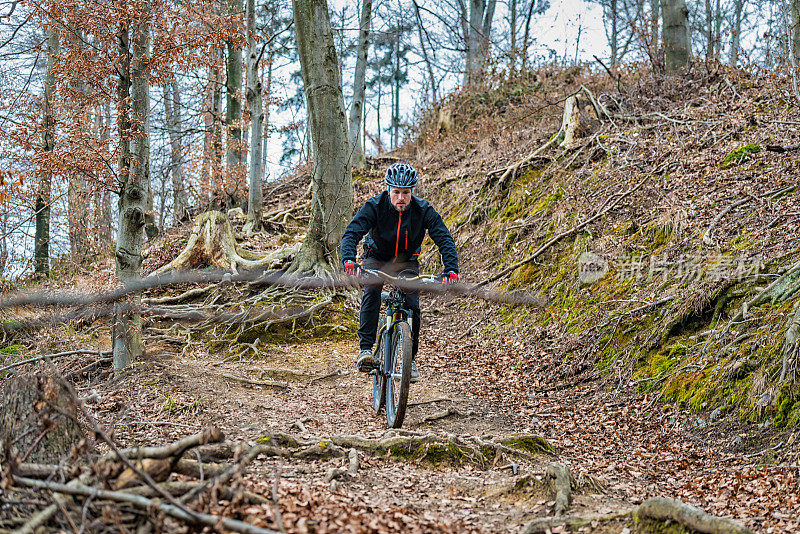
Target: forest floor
{"x":632,"y":447}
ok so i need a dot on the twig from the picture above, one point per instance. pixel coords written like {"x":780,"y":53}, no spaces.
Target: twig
{"x":422,"y":403}
{"x":56,"y":355}
{"x":225,"y":476}
{"x":562,"y":235}
{"x":145,"y":503}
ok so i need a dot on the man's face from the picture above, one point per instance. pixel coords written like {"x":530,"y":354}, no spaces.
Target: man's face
{"x":400,"y":198}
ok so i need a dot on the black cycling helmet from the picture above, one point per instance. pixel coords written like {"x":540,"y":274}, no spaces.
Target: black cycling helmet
{"x":401,"y":175}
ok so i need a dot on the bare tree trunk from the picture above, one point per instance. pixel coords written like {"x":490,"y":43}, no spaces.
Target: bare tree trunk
{"x":795,"y":8}
{"x":265,"y":135}
{"x":425,"y":55}
{"x":717,"y":30}
{"x":526,"y":36}
{"x":233,"y":112}
{"x":736,"y":30}
{"x":655,"y":42}
{"x":106,"y":237}
{"x":512,"y":22}
{"x":614,"y":32}
{"x":476,"y":9}
{"x":332,"y":185}
{"x":677,"y":40}
{"x":77,"y":193}
{"x":135,"y":191}
{"x":216,"y":112}
{"x":44,"y":192}
{"x":254,"y":105}
{"x":396,"y":92}
{"x":172,"y":110}
{"x":359,"y":85}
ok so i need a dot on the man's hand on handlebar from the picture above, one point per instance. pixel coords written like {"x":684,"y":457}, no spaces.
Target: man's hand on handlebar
{"x":351,"y":268}
{"x":450,"y":277}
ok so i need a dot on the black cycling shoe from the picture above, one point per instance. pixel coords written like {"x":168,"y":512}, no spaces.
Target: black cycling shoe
{"x":365,"y":362}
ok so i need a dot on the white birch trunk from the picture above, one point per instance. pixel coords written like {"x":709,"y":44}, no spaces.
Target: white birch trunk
{"x":254,"y":105}
{"x":332,"y":185}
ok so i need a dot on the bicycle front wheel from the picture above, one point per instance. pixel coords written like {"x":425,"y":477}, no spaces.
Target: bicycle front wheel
{"x":378,"y":377}
{"x":399,"y":379}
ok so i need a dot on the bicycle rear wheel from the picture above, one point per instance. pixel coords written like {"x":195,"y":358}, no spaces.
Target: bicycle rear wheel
{"x":378,"y":377}
{"x":399,"y":380}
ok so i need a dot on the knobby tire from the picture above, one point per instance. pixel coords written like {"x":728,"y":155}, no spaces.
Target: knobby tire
{"x":378,"y":377}
{"x":399,"y":381}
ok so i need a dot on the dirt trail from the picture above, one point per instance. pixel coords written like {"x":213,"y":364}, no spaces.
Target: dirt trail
{"x":629,"y":447}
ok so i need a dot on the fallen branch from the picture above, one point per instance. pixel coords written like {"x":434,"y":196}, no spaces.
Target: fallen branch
{"x":187,"y":295}
{"x":179,"y":488}
{"x":783,"y":148}
{"x":562,"y":235}
{"x":225,"y":476}
{"x":56,"y":355}
{"x":662,"y":509}
{"x":144,"y":503}
{"x":264,"y":383}
{"x":210,"y":434}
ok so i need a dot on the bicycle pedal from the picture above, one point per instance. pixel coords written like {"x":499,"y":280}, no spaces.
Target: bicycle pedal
{"x":367,"y":367}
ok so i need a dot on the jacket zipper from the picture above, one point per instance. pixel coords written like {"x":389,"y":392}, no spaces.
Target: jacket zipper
{"x":406,"y":240}
{"x":397,"y":241}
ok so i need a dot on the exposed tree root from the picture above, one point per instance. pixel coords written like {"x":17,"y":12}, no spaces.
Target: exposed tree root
{"x":212,"y":242}
{"x":790,"y":343}
{"x":544,"y":525}
{"x":664,"y":509}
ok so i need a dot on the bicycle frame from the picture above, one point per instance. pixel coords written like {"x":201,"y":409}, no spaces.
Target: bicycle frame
{"x":395,"y":313}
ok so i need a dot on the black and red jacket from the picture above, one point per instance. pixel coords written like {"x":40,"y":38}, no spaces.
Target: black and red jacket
{"x":395,"y":236}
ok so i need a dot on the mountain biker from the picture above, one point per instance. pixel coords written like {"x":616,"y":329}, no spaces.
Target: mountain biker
{"x":394,"y":222}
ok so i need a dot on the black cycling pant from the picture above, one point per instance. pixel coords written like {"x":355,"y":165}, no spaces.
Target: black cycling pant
{"x":371,"y":304}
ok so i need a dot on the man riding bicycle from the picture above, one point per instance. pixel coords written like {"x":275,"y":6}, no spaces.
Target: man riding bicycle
{"x":395,"y":223}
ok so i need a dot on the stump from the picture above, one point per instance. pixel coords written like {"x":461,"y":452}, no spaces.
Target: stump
{"x":38,"y":419}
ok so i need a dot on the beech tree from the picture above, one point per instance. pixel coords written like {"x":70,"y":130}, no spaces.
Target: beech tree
{"x":477,"y":35}
{"x":172,"y":111}
{"x":332,"y":185}
{"x":134,"y":172}
{"x":675,"y":30}
{"x":253,"y":95}
{"x":233,"y":110}
{"x":795,"y":32}
{"x":45,"y":186}
{"x":359,"y":84}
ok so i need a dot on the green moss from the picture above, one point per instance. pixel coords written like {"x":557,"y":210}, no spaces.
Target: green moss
{"x":280,"y":440}
{"x":12,"y":349}
{"x":653,"y":526}
{"x":529,"y":444}
{"x":740,"y":155}
{"x":786,"y":410}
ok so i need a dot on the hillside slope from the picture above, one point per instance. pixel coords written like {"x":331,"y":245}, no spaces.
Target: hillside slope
{"x":702,"y":176}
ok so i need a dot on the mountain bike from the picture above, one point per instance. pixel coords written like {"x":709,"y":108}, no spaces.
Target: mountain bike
{"x":391,"y":376}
